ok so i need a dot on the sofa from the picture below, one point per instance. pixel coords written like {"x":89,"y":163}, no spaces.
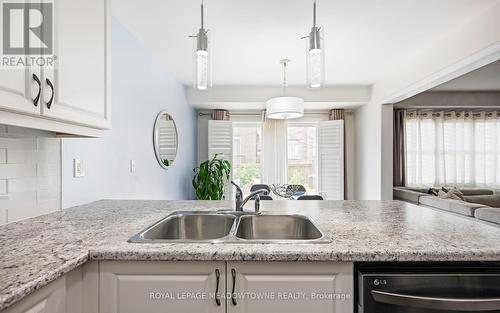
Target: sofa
{"x":480,"y":203}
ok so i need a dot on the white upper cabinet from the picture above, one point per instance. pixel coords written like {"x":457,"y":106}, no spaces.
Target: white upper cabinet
{"x":73,"y":95}
{"x":75,"y":89}
{"x":19,"y":89}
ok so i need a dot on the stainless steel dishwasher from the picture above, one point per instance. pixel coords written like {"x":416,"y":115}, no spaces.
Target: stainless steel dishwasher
{"x":428,"y":288}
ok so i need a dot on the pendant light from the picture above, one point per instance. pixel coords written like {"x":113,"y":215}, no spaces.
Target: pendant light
{"x":283,"y":108}
{"x":315,"y":55}
{"x":201,"y":63}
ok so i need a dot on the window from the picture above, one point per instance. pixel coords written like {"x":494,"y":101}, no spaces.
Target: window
{"x":307,"y":152}
{"x":247,"y":149}
{"x":453,"y":149}
{"x":302,"y":156}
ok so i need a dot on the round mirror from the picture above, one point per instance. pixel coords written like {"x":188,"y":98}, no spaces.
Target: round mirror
{"x":165,"y":139}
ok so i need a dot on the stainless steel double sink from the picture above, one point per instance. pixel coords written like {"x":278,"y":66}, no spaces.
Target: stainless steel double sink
{"x":231,"y":226}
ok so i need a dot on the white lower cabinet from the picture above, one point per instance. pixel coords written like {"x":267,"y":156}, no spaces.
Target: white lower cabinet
{"x":49,"y":299}
{"x":257,"y":287}
{"x":202,"y":287}
{"x":296,"y":287}
{"x":75,"y":292}
{"x":153,"y":287}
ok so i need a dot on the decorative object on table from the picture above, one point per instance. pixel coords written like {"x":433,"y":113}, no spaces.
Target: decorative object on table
{"x":285,"y":190}
{"x":299,"y":190}
{"x":165,"y":139}
{"x":210,"y":178}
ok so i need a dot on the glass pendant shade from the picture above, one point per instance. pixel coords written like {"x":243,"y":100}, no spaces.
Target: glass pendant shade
{"x":315,"y":68}
{"x":283,"y":108}
{"x":202,"y":69}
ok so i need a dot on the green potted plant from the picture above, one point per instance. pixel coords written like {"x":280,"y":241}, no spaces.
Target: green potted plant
{"x":210,"y":178}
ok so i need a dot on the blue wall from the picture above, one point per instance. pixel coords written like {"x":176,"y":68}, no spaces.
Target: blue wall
{"x":141,"y":87}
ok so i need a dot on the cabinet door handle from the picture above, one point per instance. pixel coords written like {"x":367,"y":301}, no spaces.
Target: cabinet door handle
{"x":35,"y":78}
{"x":217,"y":278}
{"x":233,"y":296}
{"x":49,"y":104}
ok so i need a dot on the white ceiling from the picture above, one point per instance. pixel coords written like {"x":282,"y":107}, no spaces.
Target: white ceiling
{"x":486,"y":78}
{"x":364,"y":38}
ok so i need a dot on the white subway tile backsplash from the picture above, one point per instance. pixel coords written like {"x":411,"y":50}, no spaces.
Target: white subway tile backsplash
{"x":22,"y":211}
{"x":49,"y":144}
{"x":30,"y":173}
{"x":45,"y":182}
{"x":17,"y":199}
{"x":17,"y":143}
{"x":48,"y":169}
{"x":3,"y":216}
{"x":48,"y":194}
{"x":20,"y":156}
{"x":17,"y":170}
{"x":48,"y":206}
{"x":23,"y":184}
{"x":3,"y":186}
{"x":3,"y":156}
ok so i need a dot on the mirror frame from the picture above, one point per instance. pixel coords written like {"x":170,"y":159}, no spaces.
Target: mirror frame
{"x":155,"y":139}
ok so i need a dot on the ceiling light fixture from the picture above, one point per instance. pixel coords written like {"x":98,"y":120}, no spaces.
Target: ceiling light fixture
{"x":283,"y":108}
{"x":201,"y":64}
{"x":315,"y":55}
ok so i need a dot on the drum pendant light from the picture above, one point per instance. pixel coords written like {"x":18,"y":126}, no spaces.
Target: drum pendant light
{"x":284,"y":107}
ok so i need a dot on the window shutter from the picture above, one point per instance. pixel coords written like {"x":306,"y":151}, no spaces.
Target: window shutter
{"x":331,"y":159}
{"x":167,"y":140}
{"x":220,"y":141}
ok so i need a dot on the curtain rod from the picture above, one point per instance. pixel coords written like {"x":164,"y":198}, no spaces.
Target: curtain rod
{"x":259,"y":114}
{"x":447,"y":107}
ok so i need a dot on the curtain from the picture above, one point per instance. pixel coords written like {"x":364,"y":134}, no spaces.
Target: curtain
{"x":335,"y":115}
{"x":220,"y":115}
{"x":459,"y":148}
{"x":399,"y":175}
{"x":274,"y":152}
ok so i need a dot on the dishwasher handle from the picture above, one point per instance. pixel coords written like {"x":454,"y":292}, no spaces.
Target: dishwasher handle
{"x":437,"y":303}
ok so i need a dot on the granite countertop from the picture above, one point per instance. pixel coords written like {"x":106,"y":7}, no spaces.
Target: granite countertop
{"x":37,"y":251}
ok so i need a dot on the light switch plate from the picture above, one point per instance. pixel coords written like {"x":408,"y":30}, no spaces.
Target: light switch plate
{"x":78,"y":168}
{"x":132,"y":166}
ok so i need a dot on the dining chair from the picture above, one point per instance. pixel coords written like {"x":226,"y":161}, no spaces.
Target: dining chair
{"x":260,"y":186}
{"x":310,"y":197}
{"x":266,"y":197}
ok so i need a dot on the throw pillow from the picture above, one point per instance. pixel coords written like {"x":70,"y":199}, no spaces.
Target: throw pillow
{"x":433,"y":191}
{"x":448,"y":195}
{"x":457,"y":192}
